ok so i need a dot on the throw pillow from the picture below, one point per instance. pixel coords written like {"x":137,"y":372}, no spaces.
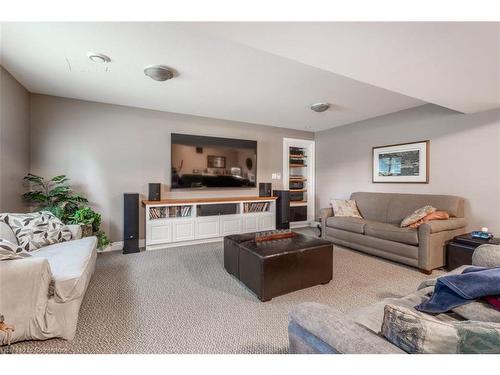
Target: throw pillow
{"x":417,"y":215}
{"x":437,"y":215}
{"x":9,"y":250}
{"x":345,"y":207}
{"x":416,"y":332}
{"x":37,"y":229}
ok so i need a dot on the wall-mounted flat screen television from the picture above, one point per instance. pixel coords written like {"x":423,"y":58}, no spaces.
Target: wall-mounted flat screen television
{"x":209,"y":162}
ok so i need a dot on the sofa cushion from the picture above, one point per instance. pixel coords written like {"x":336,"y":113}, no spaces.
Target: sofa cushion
{"x":417,"y":215}
{"x":7,"y":234}
{"x":9,"y":250}
{"x":417,"y":332}
{"x":37,"y":229}
{"x":350,"y":224}
{"x":392,"y":232}
{"x":345,"y":207}
{"x":69,"y":262}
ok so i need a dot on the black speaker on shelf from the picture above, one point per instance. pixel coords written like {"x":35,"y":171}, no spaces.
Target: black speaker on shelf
{"x":130,"y":223}
{"x":282,"y":209}
{"x":154,"y":192}
{"x":264,"y":189}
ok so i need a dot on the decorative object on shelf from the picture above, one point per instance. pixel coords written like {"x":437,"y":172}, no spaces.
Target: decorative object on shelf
{"x":484,"y":235}
{"x":274,"y":235}
{"x":216,"y":161}
{"x":55,"y":195}
{"x":406,"y":162}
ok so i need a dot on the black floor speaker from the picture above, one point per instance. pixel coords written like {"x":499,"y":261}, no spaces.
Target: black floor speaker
{"x":282,"y":209}
{"x":130,"y":223}
{"x":154,"y":192}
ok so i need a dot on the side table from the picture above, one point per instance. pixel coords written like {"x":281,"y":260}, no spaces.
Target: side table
{"x":459,"y":250}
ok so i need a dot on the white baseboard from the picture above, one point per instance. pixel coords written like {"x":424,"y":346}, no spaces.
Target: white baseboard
{"x":118,"y":246}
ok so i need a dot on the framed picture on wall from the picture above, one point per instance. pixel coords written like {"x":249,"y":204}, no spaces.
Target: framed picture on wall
{"x":405,"y":162}
{"x":216,"y":161}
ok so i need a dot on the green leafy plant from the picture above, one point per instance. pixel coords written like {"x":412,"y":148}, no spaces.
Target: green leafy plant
{"x":88,"y":217}
{"x":54,"y":195}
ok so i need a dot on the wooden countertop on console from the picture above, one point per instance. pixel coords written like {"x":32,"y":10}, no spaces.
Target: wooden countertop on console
{"x":207,"y":200}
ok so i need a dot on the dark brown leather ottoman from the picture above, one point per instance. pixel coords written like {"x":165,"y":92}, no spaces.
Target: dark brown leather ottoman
{"x":276,"y":267}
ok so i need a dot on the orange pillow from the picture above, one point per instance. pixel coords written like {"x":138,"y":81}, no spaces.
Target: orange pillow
{"x":436,"y":215}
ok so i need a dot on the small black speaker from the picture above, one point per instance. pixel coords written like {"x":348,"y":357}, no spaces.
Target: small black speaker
{"x":264,"y":189}
{"x":130,"y":223}
{"x":282,"y":209}
{"x":154,"y":192}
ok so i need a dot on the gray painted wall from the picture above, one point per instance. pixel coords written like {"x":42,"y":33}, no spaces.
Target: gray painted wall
{"x":107,"y":150}
{"x":14,"y":141}
{"x":464,"y":158}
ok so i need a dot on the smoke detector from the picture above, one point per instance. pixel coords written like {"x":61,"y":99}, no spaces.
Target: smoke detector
{"x":159,"y":72}
{"x":98,"y":57}
{"x":320,"y":107}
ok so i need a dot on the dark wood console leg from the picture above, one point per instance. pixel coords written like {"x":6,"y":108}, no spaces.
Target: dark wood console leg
{"x":426,"y":272}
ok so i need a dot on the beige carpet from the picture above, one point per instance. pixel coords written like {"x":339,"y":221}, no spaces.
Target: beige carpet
{"x":181,"y":300}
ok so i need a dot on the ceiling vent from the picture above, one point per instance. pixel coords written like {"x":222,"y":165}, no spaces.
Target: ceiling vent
{"x":159,"y":72}
{"x":320,"y":107}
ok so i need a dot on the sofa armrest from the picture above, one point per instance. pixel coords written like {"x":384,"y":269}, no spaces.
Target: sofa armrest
{"x":76,"y":231}
{"x":436,"y":226}
{"x":325,"y":213}
{"x":340,"y":333}
{"x":432,"y":239}
{"x":24,"y":294}
{"x":486,"y":256}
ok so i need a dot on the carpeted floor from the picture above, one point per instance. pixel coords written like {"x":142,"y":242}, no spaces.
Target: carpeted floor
{"x":181,"y":300}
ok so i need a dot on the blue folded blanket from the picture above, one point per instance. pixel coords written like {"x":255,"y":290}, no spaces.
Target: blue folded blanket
{"x":456,"y":290}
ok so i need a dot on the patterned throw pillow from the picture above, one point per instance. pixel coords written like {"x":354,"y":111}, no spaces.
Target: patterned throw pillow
{"x":416,"y":332}
{"x":417,"y":215}
{"x":345,"y":207}
{"x":37,"y":229}
{"x":9,"y":250}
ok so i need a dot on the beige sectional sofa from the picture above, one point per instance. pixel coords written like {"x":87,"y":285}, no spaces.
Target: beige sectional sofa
{"x":379,"y":232}
{"x":41,"y":295}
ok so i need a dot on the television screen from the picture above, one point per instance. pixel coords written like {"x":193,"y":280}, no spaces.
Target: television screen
{"x":211,"y":162}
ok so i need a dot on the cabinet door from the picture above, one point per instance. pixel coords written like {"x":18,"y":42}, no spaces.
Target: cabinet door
{"x":160,"y":233}
{"x":230,"y":224}
{"x":182,"y":230}
{"x":266,"y":222}
{"x":250,"y":223}
{"x":207,"y":227}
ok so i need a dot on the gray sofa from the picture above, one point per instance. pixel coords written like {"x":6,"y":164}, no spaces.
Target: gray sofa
{"x":317,"y":328}
{"x":379,"y":233}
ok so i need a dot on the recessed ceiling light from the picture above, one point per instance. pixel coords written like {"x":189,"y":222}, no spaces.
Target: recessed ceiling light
{"x":320,"y":107}
{"x":159,"y":72}
{"x":98,"y":57}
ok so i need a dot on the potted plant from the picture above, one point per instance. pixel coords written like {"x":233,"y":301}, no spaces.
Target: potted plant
{"x":55,"y":195}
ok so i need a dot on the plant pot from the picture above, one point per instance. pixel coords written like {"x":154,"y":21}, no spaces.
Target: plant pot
{"x":86,"y":230}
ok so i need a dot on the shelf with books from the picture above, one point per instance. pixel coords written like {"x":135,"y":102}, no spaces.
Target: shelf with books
{"x":253,"y":207}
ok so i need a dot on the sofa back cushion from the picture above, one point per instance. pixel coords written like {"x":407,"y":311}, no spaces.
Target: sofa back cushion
{"x":394,"y":207}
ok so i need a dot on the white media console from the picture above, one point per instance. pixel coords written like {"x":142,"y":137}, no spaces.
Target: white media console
{"x":175,"y":222}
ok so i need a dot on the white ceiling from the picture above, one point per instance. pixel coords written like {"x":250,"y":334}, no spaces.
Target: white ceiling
{"x":260,"y":73}
{"x":452,"y":64}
